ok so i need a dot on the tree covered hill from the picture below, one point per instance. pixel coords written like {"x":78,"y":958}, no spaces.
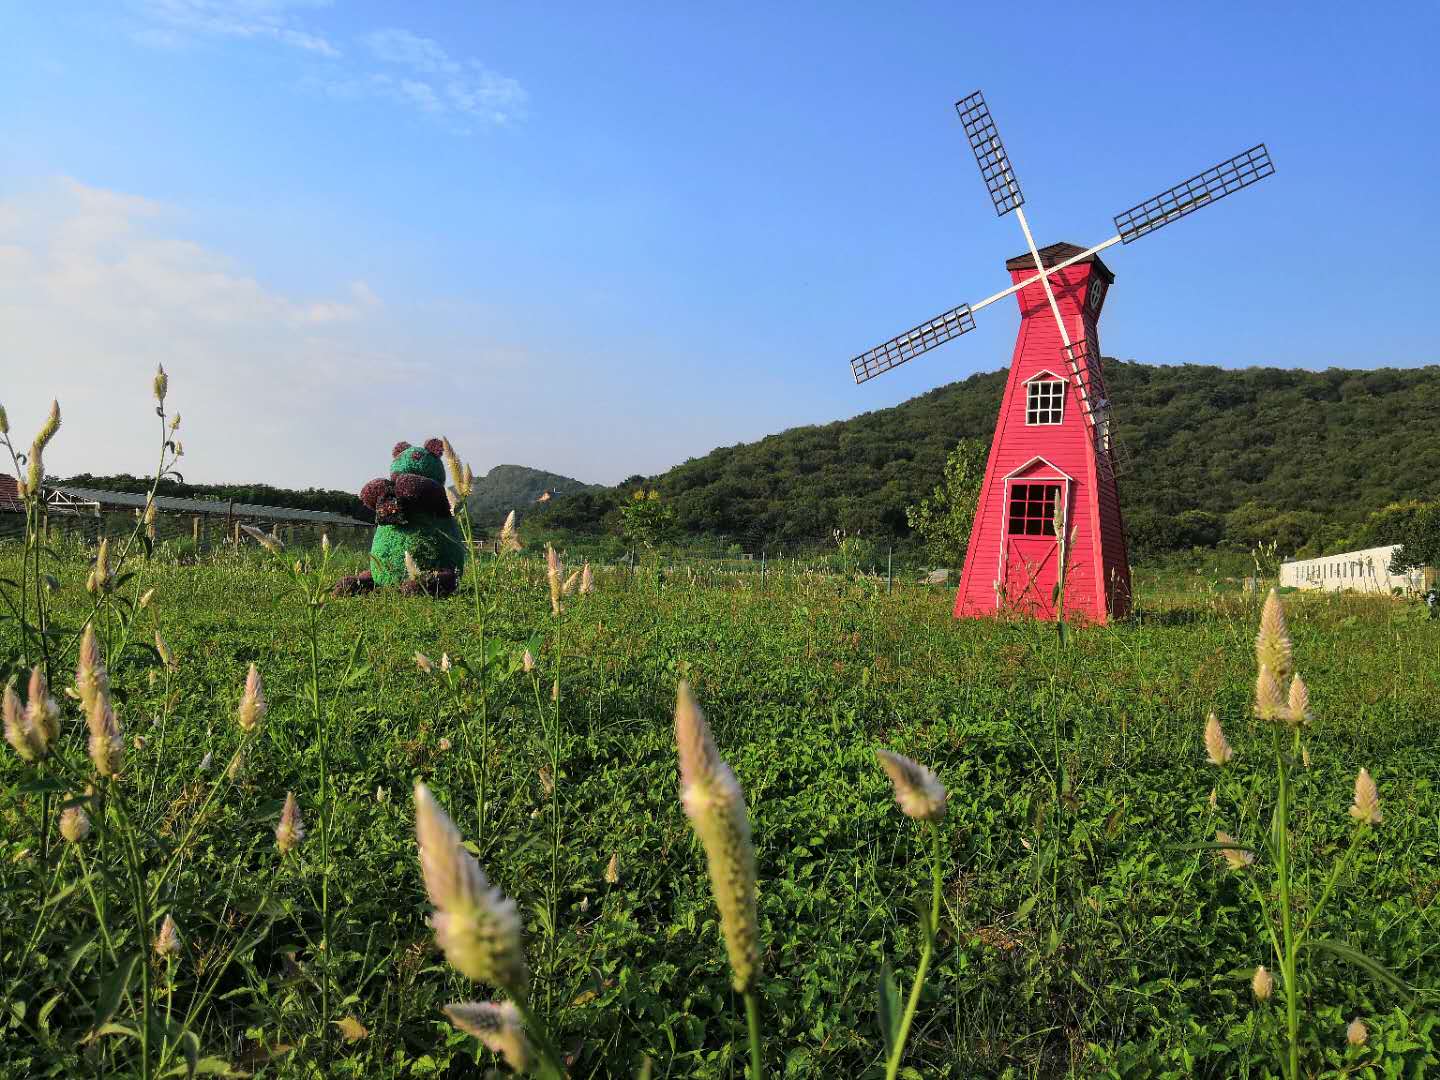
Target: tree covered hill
{"x":517,"y":487}
{"x":1300,"y":458}
{"x":1247,"y":455}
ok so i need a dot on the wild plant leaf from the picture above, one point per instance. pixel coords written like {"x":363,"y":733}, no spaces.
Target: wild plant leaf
{"x":206,"y":1066}
{"x":149,"y":652}
{"x":889,"y":1008}
{"x":113,"y":989}
{"x":40,"y":785}
{"x":117,"y":1029}
{"x":189,"y":1045}
{"x":1026,"y":906}
{"x":76,"y":952}
{"x":42,"y":1015}
{"x":1376,"y":970}
{"x":542,"y":917}
{"x":356,"y":676}
{"x":61,"y":896}
{"x":922,"y":915}
{"x":356,"y":670}
{"x":496,"y":651}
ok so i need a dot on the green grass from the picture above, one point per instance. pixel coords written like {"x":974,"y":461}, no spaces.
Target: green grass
{"x":1082,"y":933}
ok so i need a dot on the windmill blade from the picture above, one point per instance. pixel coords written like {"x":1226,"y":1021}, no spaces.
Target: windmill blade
{"x":912,"y":343}
{"x":1209,"y":186}
{"x":990,"y":153}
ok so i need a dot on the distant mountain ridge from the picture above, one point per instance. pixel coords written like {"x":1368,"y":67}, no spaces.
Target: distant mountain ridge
{"x":519,"y":488}
{"x":1244,"y":455}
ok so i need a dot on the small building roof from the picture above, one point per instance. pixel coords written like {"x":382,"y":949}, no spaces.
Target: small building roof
{"x":10,"y":495}
{"x":1058,"y":253}
{"x":1038,"y":461}
{"x":169,"y":504}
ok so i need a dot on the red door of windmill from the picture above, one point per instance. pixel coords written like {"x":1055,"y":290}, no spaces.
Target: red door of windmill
{"x":1049,"y":496}
{"x":1035,"y":507}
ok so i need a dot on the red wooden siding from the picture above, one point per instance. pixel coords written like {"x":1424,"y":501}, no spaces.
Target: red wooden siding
{"x":1097,"y":580}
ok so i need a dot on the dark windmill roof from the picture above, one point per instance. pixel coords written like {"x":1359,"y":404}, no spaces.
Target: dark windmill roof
{"x":1058,"y":253}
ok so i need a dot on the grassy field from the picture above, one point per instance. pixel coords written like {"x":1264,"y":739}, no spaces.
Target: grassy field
{"x":1083,"y":931}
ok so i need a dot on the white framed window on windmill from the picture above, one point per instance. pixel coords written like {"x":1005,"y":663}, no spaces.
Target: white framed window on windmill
{"x":1096,"y":293}
{"x":1044,"y":398}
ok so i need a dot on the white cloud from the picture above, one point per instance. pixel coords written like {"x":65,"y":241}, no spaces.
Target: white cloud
{"x":172,"y":22}
{"x":438,"y":82}
{"x":95,"y":291}
{"x":392,"y":64}
{"x":98,"y":286}
{"x":397,"y":46}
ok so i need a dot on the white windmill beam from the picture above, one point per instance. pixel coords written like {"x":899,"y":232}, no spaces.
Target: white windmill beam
{"x":1013,"y":289}
{"x":951,"y":324}
{"x":1055,"y":310}
{"x":1043,"y":276}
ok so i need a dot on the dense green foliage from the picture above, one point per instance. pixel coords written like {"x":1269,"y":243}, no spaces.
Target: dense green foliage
{"x":943,"y":518}
{"x":515,"y":487}
{"x":1413,"y":525}
{"x":1081,"y":933}
{"x":1243,"y":456}
{"x":646,"y":518}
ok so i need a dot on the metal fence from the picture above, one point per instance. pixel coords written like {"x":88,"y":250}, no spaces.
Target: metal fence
{"x":184,"y":534}
{"x":188,"y":537}
{"x":881,"y":560}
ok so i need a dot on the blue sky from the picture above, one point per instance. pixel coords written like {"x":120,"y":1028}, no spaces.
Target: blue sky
{"x":601,"y":239}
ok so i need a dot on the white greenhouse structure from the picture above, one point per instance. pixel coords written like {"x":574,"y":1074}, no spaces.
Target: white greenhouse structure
{"x":1352,"y":571}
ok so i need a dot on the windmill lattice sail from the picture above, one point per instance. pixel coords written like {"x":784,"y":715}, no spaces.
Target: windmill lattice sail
{"x":912,"y":343}
{"x":1200,"y":190}
{"x":990,"y":153}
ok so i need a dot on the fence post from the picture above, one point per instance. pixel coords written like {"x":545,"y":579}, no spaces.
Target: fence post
{"x":889,"y":569}
{"x":762,"y":568}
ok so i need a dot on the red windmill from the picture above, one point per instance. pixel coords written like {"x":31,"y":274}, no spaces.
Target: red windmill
{"x":1049,"y":509}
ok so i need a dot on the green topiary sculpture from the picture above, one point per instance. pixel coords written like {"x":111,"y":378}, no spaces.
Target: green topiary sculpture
{"x":412,"y":517}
